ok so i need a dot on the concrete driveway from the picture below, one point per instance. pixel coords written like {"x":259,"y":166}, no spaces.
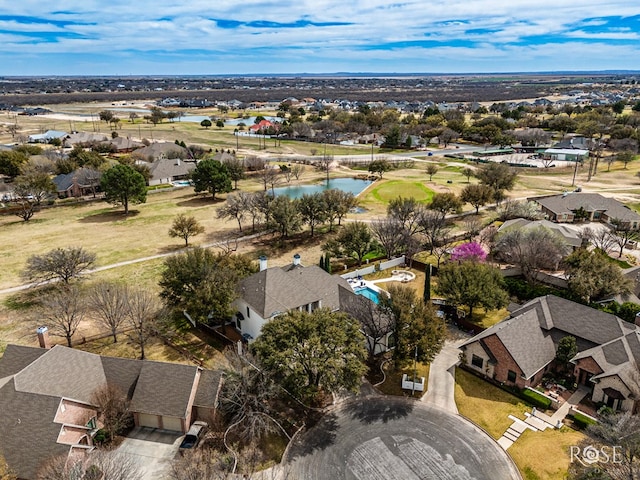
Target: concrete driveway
{"x":379,"y":438}
{"x":152,"y":450}
{"x":440,"y":390}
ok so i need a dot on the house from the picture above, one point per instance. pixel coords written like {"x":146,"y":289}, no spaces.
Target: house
{"x":264,"y":125}
{"x":520,"y":350}
{"x":570,"y":235}
{"x":596,"y":208}
{"x":278,"y":290}
{"x":83,"y":138}
{"x":158,"y":150}
{"x":125,"y":144}
{"x":46,"y":399}
{"x":80,"y":182}
{"x":167,"y":170}
{"x":47,"y":136}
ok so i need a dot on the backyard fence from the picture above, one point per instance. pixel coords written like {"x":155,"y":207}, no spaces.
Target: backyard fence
{"x":373,"y":268}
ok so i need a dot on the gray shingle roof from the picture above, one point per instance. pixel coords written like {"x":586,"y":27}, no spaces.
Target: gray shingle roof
{"x":63,"y":372}
{"x":36,"y":379}
{"x":576,"y":319}
{"x":522,"y":336}
{"x":27,"y":432}
{"x":570,"y":235}
{"x":164,"y":389}
{"x":169,"y":168}
{"x":17,"y":357}
{"x":590,"y":202}
{"x":278,"y":290}
{"x":208,"y":387}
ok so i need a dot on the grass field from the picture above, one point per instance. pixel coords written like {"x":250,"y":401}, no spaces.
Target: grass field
{"x":545,"y":455}
{"x":538,"y":455}
{"x":486,"y":405}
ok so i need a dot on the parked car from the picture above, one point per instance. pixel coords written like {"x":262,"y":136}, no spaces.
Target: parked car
{"x":193,"y":436}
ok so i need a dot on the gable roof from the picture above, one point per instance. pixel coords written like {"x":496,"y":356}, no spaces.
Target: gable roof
{"x":81,"y":176}
{"x":34,"y":381}
{"x":591,"y":202}
{"x":522,"y":336}
{"x":27,"y":432}
{"x":169,"y":168}
{"x":161,"y":149}
{"x":17,"y":357}
{"x":62,"y":372}
{"x":164,"y":389}
{"x":570,"y":235}
{"x":280,"y":289}
{"x":576,"y":319}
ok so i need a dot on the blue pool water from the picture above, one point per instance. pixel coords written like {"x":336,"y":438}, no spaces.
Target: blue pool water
{"x":352,"y":185}
{"x":368,"y":293}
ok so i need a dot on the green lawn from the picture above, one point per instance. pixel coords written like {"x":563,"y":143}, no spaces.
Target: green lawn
{"x":385,"y":191}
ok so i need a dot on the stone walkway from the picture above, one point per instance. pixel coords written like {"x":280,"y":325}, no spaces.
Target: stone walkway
{"x":538,"y":421}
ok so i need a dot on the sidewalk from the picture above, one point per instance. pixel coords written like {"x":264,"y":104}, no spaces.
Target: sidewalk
{"x":539,"y":421}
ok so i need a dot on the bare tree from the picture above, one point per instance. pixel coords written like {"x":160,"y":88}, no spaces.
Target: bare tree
{"x":99,"y":464}
{"x":624,"y":233}
{"x":531,"y":249}
{"x":61,"y":264}
{"x":601,"y":238}
{"x":376,"y":324}
{"x":389,"y":233}
{"x":297,"y":170}
{"x":26,"y":210}
{"x":185,"y":227}
{"x":472,"y":225}
{"x":434,"y":227}
{"x":143,"y":307}
{"x":270,"y":177}
{"x":431,"y":170}
{"x":63,"y":309}
{"x":236,"y":207}
{"x":110,"y":304}
{"x":113,"y":409}
{"x":246,"y":397}
{"x":200,"y":464}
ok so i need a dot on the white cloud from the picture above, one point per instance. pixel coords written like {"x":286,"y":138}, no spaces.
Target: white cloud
{"x":116,"y":29}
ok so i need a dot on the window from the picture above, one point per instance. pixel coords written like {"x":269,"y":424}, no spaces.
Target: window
{"x":511,"y":376}
{"x":477,"y":361}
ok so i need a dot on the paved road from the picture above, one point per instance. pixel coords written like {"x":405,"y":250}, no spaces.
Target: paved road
{"x":378,"y":438}
{"x":440,"y":390}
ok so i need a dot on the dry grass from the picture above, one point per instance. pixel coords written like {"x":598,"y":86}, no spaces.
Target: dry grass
{"x":545,"y":455}
{"x":393,"y":381}
{"x":538,"y":455}
{"x":99,"y":228}
{"x":486,"y":405}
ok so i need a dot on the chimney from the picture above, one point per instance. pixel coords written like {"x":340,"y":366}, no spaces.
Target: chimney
{"x":43,"y":337}
{"x":296,"y":259}
{"x":263,"y":262}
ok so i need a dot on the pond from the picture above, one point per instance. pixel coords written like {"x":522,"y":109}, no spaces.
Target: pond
{"x":352,"y":185}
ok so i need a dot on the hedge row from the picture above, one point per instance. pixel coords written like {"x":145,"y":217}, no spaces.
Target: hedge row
{"x":535,"y":399}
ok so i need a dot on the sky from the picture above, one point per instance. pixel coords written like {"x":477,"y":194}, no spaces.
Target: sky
{"x":223,"y":37}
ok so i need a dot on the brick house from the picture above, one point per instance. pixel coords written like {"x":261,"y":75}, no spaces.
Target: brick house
{"x":46,"y":405}
{"x":520,"y":350}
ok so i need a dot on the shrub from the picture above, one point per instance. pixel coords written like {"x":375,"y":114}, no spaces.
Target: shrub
{"x":535,"y":399}
{"x":581,"y":421}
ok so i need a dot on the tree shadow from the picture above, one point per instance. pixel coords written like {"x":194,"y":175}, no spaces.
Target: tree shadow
{"x":111,"y":216}
{"x":369,"y":410}
{"x":321,"y":436}
{"x":200,"y":201}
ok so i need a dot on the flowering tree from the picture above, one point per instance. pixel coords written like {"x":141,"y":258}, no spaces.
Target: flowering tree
{"x":469,"y":251}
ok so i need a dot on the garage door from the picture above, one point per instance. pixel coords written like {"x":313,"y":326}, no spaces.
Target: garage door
{"x":172,"y":423}
{"x":146,"y":420}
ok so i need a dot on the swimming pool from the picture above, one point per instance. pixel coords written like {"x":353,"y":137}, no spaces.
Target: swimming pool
{"x":367,"y":292}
